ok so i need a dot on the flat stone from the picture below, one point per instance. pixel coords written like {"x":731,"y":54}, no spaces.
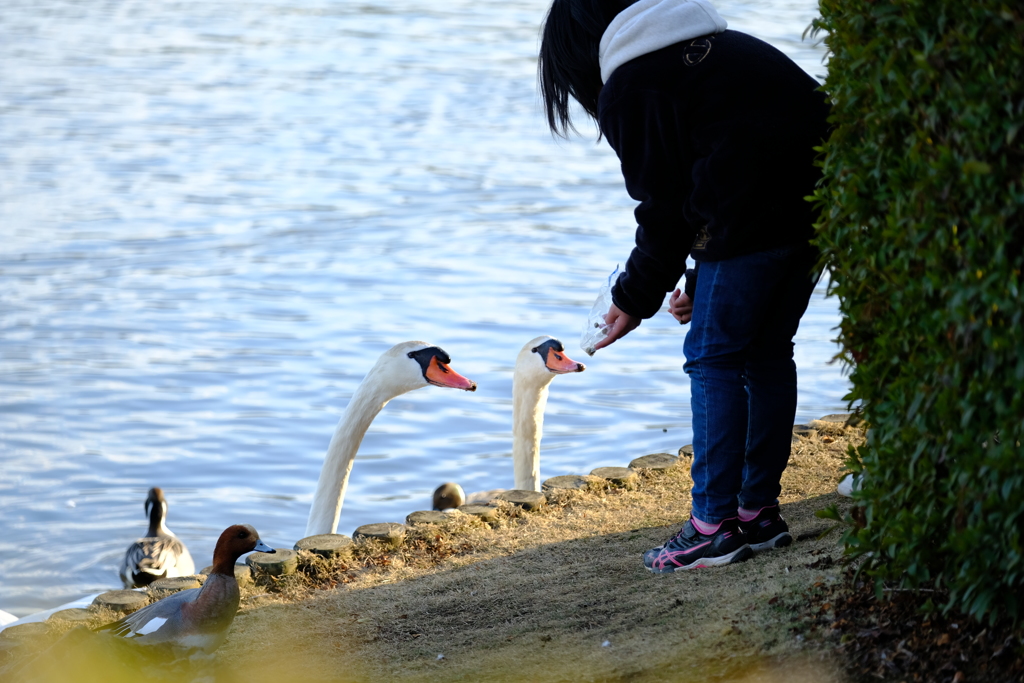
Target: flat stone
{"x":122,"y":600}
{"x":391,"y":533}
{"x":487,"y":513}
{"x":33,"y":629}
{"x":426,"y":517}
{"x":806,"y":431}
{"x":177,"y":583}
{"x":243,"y":574}
{"x":567,"y":482}
{"x":686,"y":451}
{"x":78,"y":615}
{"x":282,"y":562}
{"x":326,"y":545}
{"x":654,"y":461}
{"x":528,"y":500}
{"x":835,"y":417}
{"x":620,"y":476}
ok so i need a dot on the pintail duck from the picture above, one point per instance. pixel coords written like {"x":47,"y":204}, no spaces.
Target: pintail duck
{"x":160,"y":554}
{"x":197,"y":618}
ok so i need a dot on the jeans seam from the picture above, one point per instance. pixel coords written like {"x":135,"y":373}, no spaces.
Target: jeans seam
{"x":704,"y":390}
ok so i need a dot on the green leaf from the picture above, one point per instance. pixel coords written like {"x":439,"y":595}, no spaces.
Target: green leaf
{"x":976,"y":167}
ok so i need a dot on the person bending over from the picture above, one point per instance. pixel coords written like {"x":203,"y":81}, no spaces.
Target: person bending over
{"x":715,"y":131}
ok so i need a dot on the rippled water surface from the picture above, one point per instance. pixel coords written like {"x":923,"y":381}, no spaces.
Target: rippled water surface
{"x":216,"y":215}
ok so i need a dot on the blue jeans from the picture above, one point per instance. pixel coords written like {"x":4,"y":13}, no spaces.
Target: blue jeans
{"x":739,"y":357}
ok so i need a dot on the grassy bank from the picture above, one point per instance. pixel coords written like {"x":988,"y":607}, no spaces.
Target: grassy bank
{"x":556,"y":594}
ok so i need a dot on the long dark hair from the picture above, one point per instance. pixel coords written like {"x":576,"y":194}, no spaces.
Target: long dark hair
{"x":568,"y":64}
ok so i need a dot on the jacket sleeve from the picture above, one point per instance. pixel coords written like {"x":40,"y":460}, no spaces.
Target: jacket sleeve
{"x":645,"y":130}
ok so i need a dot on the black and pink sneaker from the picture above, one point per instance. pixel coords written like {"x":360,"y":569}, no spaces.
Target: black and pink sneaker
{"x":766,"y":530}
{"x":690,"y":549}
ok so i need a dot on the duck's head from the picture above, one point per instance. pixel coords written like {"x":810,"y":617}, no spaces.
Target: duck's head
{"x":236,"y":541}
{"x":416,"y":364}
{"x":448,"y":495}
{"x":156,"y":501}
{"x":545,"y":357}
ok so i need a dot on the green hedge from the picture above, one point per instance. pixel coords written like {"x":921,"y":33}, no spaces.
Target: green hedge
{"x":922,"y":228}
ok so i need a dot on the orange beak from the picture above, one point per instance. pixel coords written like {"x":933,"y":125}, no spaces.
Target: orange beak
{"x":560,"y":364}
{"x":440,"y":375}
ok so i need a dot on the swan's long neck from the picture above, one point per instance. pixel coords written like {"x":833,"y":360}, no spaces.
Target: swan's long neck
{"x":366,"y":403}
{"x":529,"y":399}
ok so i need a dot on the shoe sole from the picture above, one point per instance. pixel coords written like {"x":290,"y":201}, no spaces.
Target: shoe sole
{"x":738,"y":555}
{"x":780,"y":541}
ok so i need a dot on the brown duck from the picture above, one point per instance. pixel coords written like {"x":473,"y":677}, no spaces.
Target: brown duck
{"x":197,"y":618}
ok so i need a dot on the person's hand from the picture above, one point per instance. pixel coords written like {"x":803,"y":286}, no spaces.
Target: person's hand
{"x":619,"y":324}
{"x":680,"y":306}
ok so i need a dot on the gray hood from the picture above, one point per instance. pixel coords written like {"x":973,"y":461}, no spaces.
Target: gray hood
{"x":650,"y":25}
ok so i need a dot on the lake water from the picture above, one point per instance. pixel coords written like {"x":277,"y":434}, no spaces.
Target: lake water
{"x":216,"y":215}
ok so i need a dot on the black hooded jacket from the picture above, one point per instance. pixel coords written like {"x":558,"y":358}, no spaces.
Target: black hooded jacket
{"x":716,"y":138}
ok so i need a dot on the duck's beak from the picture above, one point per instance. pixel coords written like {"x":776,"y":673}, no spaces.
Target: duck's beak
{"x":440,"y":375}
{"x":560,"y":364}
{"x":262,"y":547}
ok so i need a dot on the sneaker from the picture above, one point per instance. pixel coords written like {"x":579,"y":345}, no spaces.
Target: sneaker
{"x":690,"y":549}
{"x":767,"y":530}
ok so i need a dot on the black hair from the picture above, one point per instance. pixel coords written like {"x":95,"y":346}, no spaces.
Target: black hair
{"x":568,"y":63}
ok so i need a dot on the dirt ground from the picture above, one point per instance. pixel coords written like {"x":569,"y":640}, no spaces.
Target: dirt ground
{"x":558,"y":594}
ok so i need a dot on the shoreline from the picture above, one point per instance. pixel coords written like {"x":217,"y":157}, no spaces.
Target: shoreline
{"x":553,"y":594}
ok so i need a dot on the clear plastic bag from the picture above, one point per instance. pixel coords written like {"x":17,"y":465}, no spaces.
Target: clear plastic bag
{"x":596,"y":329}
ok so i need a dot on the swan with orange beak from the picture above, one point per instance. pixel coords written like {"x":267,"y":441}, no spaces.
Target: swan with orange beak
{"x":402,"y":368}
{"x":539,"y":361}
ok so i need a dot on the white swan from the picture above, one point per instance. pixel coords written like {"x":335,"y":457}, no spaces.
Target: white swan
{"x":404,"y":367}
{"x":538,"y":362}
{"x":160,"y":553}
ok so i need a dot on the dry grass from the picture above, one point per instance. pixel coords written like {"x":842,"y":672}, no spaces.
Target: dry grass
{"x":557,"y":594}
